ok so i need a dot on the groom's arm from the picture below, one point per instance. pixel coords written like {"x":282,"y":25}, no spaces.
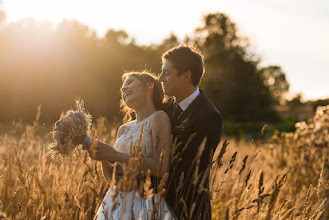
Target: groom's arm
{"x":209,"y":127}
{"x":213,"y":130}
{"x":210,"y":130}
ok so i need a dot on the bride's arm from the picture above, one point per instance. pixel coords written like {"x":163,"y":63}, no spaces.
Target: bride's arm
{"x":107,"y":166}
{"x":161,"y":132}
{"x":160,"y":129}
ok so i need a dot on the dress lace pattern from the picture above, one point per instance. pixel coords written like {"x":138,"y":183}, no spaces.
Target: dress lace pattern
{"x":131,"y":205}
{"x":131,"y":136}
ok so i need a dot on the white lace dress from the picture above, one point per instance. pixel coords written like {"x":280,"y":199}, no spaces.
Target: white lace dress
{"x":131,"y":205}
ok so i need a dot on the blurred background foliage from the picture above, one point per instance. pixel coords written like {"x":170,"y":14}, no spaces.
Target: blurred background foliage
{"x":51,"y":64}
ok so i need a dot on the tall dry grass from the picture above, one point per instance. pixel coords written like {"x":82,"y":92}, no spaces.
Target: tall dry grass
{"x":36,"y":185}
{"x":284,"y":177}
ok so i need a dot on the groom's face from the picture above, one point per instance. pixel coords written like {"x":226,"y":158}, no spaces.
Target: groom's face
{"x":172,"y":84}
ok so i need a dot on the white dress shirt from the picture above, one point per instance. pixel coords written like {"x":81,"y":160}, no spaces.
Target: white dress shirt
{"x":187,"y":101}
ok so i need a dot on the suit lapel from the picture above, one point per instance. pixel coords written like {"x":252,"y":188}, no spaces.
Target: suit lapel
{"x":191,"y":108}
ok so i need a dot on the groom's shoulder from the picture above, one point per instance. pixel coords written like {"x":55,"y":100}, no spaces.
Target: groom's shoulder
{"x":206,"y":104}
{"x":167,"y":104}
{"x":207,"y":112}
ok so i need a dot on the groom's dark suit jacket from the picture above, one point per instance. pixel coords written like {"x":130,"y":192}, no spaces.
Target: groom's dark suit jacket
{"x":202,"y":118}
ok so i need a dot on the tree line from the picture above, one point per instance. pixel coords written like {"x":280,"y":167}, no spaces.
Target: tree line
{"x":48,"y":64}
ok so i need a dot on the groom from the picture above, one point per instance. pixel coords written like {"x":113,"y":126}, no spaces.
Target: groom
{"x":192,"y":116}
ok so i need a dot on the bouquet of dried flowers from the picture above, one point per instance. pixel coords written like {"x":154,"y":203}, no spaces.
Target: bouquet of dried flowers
{"x":72,"y":129}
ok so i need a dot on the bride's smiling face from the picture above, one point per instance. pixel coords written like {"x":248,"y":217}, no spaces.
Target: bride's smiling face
{"x":133,"y":92}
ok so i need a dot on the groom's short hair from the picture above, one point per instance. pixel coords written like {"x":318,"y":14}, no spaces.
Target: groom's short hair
{"x":186,"y":58}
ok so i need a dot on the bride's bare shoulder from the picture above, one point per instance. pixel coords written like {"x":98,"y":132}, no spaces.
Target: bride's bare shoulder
{"x":122,"y":129}
{"x":160,"y":116}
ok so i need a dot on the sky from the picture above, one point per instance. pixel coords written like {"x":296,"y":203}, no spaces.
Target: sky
{"x":293,"y":34}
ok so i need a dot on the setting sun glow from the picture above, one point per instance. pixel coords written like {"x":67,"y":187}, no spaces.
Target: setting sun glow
{"x":148,"y":22}
{"x":56,"y":11}
{"x":136,"y":17}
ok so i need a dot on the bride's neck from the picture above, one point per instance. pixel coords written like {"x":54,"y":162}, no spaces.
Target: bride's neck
{"x":144,"y":112}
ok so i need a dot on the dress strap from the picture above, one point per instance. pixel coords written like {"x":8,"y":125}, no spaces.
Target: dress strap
{"x":147,"y":125}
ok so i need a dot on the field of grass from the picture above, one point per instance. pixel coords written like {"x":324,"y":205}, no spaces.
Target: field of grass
{"x":284,"y":177}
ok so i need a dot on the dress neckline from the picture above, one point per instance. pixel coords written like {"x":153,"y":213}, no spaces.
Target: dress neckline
{"x":144,"y":118}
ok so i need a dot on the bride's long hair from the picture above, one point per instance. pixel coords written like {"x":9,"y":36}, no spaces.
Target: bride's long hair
{"x":145,"y":77}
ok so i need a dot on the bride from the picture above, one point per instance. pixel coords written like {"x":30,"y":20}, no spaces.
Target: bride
{"x":143,"y":95}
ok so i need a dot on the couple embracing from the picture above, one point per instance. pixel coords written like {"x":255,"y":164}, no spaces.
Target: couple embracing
{"x":189,"y":117}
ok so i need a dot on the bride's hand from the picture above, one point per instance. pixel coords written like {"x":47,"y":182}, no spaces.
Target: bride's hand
{"x":102,"y":151}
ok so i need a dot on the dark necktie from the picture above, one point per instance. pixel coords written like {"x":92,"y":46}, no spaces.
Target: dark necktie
{"x":177,"y":111}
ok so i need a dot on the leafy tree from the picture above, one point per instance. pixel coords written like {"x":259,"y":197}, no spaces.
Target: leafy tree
{"x":233,"y":80}
{"x":118,"y":37}
{"x":275,"y":79}
{"x":296,"y":101}
{"x":51,"y":64}
{"x":170,"y":42}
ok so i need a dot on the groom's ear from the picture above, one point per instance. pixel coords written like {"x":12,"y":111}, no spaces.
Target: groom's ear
{"x":187,"y":76}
